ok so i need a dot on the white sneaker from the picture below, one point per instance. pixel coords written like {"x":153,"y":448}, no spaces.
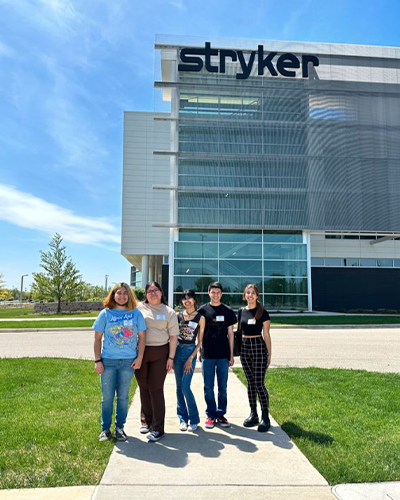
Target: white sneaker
{"x":183,"y":426}
{"x":144,"y":429}
{"x":192,"y":427}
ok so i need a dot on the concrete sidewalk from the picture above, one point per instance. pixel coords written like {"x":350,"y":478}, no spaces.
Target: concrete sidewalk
{"x":211,"y":463}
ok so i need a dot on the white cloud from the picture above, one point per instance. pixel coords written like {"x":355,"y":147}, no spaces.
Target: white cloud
{"x":5,"y":50}
{"x":25,"y":210}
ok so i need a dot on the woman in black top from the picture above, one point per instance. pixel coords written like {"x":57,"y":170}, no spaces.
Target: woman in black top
{"x":255,"y":355}
{"x":191,"y":326}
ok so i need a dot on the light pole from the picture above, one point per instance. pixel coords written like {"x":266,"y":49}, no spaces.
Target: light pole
{"x":22,"y":284}
{"x":106,"y":284}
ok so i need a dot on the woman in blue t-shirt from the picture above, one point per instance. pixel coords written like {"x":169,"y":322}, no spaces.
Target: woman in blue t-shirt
{"x":191,"y":330}
{"x":255,"y":355}
{"x":121,"y":327}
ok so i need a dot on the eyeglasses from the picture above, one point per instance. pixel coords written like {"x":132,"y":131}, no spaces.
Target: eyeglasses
{"x":154,"y":290}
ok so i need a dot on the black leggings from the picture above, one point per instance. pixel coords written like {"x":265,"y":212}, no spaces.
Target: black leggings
{"x":254,"y":356}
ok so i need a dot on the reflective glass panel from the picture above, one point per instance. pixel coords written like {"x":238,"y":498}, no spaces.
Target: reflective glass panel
{"x":282,"y":236}
{"x":237,"y":284}
{"x":333,"y":262}
{"x":351,"y":262}
{"x":226,"y":235}
{"x":279,"y":302}
{"x":385,"y":262}
{"x":196,"y":267}
{"x":196,"y":250}
{"x":368,"y":262}
{"x":288,"y":285}
{"x":285,"y":252}
{"x":240,"y":251}
{"x":198,"y":235}
{"x":317,"y":261}
{"x":196,"y":283}
{"x":285,"y":268}
{"x":240,"y":268}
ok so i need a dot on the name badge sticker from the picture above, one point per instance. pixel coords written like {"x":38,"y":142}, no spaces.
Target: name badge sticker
{"x":220,"y":318}
{"x":160,"y":316}
{"x":251,"y":321}
{"x":192,"y":324}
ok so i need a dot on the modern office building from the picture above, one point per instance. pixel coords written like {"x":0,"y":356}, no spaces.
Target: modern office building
{"x":276,"y":163}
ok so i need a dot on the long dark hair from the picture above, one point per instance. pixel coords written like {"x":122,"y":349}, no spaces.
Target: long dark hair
{"x":260,"y":308}
{"x":157,"y":285}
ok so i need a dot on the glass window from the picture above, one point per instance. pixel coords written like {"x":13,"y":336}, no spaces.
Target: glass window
{"x":285,"y":252}
{"x":351,"y":262}
{"x":237,"y":284}
{"x":240,"y":268}
{"x":333,"y":262}
{"x":396,"y":263}
{"x":194,"y":267}
{"x":196,"y":283}
{"x":198,"y":235}
{"x":202,"y":298}
{"x":278,"y":302}
{"x":285,"y":268}
{"x":227,"y":235}
{"x":317,"y":261}
{"x":234,"y":300}
{"x":282,"y":285}
{"x":240,"y":251}
{"x":368,"y":262}
{"x":385,"y":262}
{"x":196,"y":250}
{"x":293,"y":237}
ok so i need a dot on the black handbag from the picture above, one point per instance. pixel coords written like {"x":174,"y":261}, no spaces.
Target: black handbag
{"x":237,"y":336}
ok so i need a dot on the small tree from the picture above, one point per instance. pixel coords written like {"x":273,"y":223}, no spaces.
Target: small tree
{"x":61,"y":279}
{"x":4,"y":293}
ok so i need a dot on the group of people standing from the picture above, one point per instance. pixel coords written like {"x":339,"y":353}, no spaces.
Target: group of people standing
{"x":149,"y":339}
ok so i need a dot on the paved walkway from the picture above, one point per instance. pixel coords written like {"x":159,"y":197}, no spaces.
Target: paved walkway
{"x":209,"y":464}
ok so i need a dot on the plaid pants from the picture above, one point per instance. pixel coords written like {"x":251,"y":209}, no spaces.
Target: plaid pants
{"x":254,"y":358}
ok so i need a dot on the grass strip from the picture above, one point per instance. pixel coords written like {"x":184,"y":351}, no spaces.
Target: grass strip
{"x":335,"y":320}
{"x":50,"y":422}
{"x":26,"y":312}
{"x":47,"y":324}
{"x":346,"y":422}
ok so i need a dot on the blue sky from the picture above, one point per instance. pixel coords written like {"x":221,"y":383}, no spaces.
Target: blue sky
{"x":70,"y":68}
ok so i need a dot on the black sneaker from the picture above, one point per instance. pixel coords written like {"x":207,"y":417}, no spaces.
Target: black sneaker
{"x":120,"y":434}
{"x":155,"y":436}
{"x":223,"y":422}
{"x":105,"y":436}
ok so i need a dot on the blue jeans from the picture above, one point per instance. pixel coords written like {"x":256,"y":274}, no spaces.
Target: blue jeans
{"x":210,"y":368}
{"x":186,"y":404}
{"x":116,"y":378}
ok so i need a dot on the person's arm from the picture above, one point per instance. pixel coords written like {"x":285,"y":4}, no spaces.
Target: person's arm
{"x":98,"y":367}
{"x":230,"y":339}
{"x":141,"y":346}
{"x":267,"y":339}
{"x":188,"y":365}
{"x":173,"y":341}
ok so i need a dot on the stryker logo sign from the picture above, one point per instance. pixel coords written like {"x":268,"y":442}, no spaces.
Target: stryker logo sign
{"x":285,"y":64}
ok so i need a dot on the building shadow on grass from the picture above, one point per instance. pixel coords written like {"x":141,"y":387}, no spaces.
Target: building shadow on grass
{"x":294,"y":431}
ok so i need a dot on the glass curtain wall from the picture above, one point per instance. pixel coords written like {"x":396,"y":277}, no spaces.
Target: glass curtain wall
{"x":275,"y":261}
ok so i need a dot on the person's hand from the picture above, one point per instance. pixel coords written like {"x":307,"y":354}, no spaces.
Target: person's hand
{"x":268,"y":361}
{"x":199,"y":357}
{"x":137,"y":363}
{"x":231,"y":361}
{"x":170,"y":365}
{"x":188,"y":366}
{"x":99,"y":367}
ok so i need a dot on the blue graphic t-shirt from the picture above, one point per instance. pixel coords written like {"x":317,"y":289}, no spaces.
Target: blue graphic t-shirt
{"x":120,"y":329}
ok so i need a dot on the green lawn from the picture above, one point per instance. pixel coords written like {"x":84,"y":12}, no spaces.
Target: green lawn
{"x":335,"y":320}
{"x":47,"y":324}
{"x":346,"y":422}
{"x":49,"y":423}
{"x":27,"y":312}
